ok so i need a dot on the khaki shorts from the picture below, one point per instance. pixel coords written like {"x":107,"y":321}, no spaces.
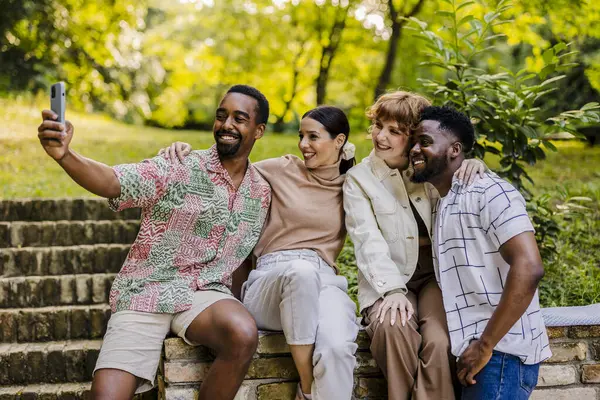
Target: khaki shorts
{"x":133,"y":340}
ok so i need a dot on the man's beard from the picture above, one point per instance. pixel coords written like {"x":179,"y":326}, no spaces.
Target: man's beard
{"x":433,"y":167}
{"x":227,"y":150}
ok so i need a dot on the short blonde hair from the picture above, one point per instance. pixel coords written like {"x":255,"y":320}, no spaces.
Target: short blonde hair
{"x":400,"y":106}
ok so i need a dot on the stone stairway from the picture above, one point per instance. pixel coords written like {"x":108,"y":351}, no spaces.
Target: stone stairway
{"x":58,"y":258}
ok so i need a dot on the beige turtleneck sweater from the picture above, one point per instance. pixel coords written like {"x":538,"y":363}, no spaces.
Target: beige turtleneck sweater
{"x":306,"y":208}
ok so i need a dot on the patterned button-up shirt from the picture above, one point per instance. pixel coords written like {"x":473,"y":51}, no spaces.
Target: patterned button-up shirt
{"x":196,"y":230}
{"x":471,"y":224}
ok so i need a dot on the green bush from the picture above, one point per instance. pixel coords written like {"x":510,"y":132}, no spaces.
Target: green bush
{"x":573,"y":267}
{"x":347,"y":264}
{"x":504,"y":104}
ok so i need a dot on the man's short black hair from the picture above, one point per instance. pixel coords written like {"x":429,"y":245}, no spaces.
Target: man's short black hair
{"x":262,"y":111}
{"x":453,"y":121}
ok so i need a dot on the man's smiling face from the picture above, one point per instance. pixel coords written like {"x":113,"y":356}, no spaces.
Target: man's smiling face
{"x":235,"y":128}
{"x":429,"y":153}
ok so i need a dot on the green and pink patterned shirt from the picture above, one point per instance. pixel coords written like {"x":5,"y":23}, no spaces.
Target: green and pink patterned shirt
{"x":196,"y":230}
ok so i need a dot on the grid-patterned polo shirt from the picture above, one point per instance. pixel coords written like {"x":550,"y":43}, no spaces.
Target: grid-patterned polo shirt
{"x":196,"y":230}
{"x":471,"y":223}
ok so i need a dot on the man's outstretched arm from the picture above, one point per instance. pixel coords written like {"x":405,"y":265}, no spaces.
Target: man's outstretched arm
{"x":93,"y":176}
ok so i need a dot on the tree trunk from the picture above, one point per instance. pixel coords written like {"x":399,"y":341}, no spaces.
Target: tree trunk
{"x":322,"y":82}
{"x":386,"y":74}
{"x":390,"y":58}
{"x":278,"y":125}
{"x":328,"y":53}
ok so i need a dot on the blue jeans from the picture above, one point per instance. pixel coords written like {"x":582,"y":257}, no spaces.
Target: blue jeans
{"x":504,"y":377}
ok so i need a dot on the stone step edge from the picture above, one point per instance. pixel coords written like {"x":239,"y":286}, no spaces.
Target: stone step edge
{"x":10,"y":348}
{"x":62,"y":248}
{"x":91,"y":198}
{"x":52,"y":362}
{"x":187,"y":371}
{"x":576,"y":350}
{"x":62,"y":260}
{"x":40,"y":291}
{"x":45,"y":388}
{"x":269,"y":343}
{"x":361,"y":389}
{"x":259,"y":381}
{"x":41,"y":209}
{"x":53,"y":323}
{"x":269,"y":389}
{"x":42,"y":277}
{"x":67,"y":233}
{"x":70,"y":221}
{"x":56,"y":308}
{"x":248,"y":389}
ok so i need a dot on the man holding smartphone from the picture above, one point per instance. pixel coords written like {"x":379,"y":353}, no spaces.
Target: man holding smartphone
{"x":200,"y":220}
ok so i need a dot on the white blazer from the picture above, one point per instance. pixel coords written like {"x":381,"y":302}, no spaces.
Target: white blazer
{"x":382,"y":226}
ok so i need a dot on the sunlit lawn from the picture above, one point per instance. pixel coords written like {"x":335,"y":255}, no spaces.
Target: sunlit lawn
{"x":26,"y":171}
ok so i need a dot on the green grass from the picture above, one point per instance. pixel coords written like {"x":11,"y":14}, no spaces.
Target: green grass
{"x":26,"y":171}
{"x":572,"y":274}
{"x":575,"y":167}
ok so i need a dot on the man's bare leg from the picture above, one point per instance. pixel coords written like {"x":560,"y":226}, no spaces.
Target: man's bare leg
{"x":113,"y":384}
{"x":227,"y":328}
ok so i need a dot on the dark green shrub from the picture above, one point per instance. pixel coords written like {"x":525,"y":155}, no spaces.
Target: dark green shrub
{"x":503,"y":105}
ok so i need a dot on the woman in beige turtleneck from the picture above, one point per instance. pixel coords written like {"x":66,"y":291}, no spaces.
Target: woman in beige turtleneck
{"x":296,"y":286}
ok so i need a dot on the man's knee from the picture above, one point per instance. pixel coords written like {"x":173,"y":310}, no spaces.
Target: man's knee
{"x":240,"y":336}
{"x":113,"y":384}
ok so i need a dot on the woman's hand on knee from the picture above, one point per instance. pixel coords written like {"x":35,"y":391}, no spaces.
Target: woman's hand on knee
{"x":395,"y":303}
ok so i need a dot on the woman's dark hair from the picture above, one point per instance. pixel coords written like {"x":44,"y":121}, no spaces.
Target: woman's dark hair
{"x":336,"y":122}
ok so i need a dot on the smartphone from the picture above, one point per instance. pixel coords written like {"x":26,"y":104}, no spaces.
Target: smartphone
{"x":58,"y":100}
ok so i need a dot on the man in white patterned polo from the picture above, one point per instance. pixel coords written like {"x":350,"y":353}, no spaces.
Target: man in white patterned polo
{"x":487,"y":264}
{"x":200,"y":220}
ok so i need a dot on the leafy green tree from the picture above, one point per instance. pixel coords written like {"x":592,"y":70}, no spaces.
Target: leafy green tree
{"x":15,"y":51}
{"x":93,"y":46}
{"x":504,"y":105}
{"x":330,"y":37}
{"x":538,"y":25}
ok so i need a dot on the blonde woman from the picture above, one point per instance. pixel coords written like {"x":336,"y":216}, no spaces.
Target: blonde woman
{"x":389,"y":221}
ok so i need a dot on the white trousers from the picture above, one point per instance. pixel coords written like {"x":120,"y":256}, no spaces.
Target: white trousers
{"x":297,"y":292}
